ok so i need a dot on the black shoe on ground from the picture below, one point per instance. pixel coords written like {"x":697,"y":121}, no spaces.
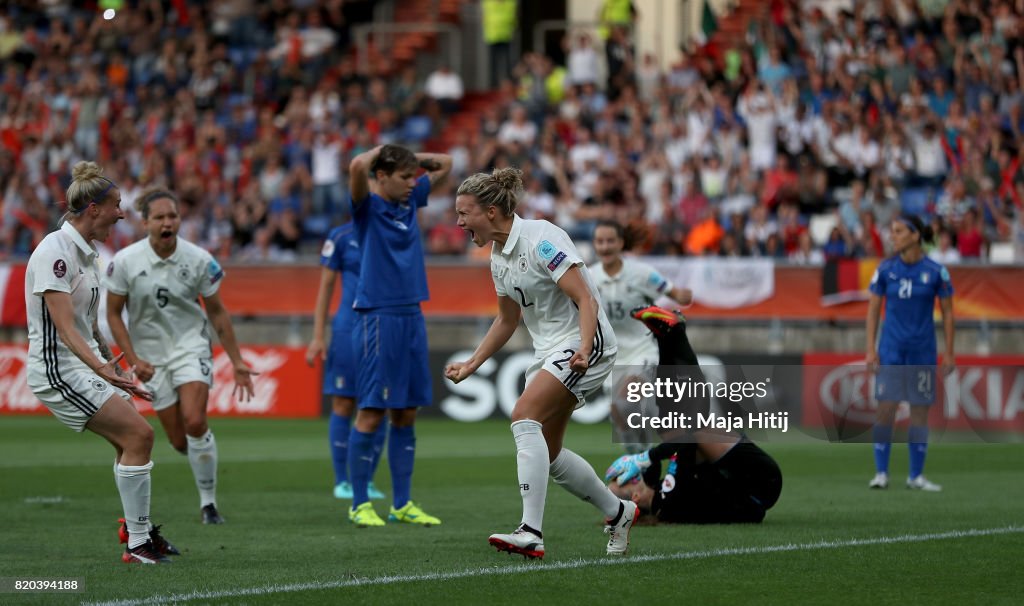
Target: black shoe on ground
{"x":211,"y":515}
{"x":144,"y":554}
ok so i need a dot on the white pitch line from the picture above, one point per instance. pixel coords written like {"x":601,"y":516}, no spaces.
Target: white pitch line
{"x":567,"y":565}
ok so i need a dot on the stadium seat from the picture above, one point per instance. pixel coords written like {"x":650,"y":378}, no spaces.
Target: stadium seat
{"x":821,"y":227}
{"x":417,"y":129}
{"x":1002,"y":253}
{"x":916,"y":200}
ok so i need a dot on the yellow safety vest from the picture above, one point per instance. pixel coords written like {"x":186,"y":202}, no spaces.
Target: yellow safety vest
{"x":614,"y":12}
{"x":554,"y":85}
{"x":499,"y":17}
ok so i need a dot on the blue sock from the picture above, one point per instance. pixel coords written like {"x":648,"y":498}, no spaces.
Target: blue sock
{"x":337,"y":432}
{"x":881,"y":435}
{"x":378,"y":445}
{"x":360,"y":458}
{"x":401,"y":452}
{"x":917,"y":441}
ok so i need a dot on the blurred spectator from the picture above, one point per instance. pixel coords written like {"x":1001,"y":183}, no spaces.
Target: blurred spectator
{"x":759,"y":229}
{"x":447,"y":238}
{"x":969,"y":239}
{"x":582,"y":62}
{"x":499,"y":24}
{"x":945,"y":252}
{"x":806,"y":253}
{"x":445,"y":86}
{"x":705,"y":234}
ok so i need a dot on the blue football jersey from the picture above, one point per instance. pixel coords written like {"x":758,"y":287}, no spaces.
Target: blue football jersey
{"x":910,"y":292}
{"x":389,"y":237}
{"x":341,"y":254}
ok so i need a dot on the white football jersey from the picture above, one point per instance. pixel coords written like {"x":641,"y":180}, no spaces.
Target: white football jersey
{"x":636,"y":285}
{"x":527,"y":269}
{"x":63,"y":262}
{"x":165,"y":320}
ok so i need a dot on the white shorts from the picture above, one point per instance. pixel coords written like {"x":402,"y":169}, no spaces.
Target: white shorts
{"x":581,"y":386}
{"x":73,"y":395}
{"x":168,"y":378}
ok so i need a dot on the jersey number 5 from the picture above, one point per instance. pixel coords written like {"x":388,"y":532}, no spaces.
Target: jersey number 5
{"x":161,"y":297}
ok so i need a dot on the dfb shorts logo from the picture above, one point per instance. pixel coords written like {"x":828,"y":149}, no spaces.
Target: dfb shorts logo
{"x":99,"y":385}
{"x":60,"y":268}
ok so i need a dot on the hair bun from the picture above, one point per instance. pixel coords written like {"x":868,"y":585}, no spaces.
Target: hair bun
{"x":509,"y":179}
{"x":84,"y":171}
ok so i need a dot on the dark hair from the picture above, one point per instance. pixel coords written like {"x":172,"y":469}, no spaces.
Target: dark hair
{"x":632,"y":234}
{"x":916,"y":224}
{"x":146,"y":199}
{"x":392,"y":158}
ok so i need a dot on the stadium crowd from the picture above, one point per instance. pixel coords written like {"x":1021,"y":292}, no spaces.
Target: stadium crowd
{"x":802,"y":143}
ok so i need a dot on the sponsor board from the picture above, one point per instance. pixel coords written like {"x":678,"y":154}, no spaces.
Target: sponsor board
{"x":983,"y":394}
{"x":284,"y":387}
{"x":493,"y":390}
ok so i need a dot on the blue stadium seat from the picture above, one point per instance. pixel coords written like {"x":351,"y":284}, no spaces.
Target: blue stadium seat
{"x":917,"y":200}
{"x":417,"y":129}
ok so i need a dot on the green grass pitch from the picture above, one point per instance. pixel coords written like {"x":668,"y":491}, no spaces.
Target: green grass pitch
{"x":288,"y":541}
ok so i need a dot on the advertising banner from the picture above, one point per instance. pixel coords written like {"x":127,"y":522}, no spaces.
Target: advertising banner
{"x":285,"y":387}
{"x":983,"y":395}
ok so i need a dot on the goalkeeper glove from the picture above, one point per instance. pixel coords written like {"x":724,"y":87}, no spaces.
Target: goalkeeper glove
{"x":627,"y":467}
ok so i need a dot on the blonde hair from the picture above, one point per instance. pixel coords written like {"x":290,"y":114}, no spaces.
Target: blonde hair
{"x":501,"y":188}
{"x":88,"y":186}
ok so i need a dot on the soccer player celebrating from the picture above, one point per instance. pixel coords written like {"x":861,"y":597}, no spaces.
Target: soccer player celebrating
{"x":906,"y":356}
{"x":161,"y":278}
{"x":538,"y":275}
{"x":340,"y":255}
{"x":70,"y":368}
{"x":626,"y":284}
{"x":390,"y":336}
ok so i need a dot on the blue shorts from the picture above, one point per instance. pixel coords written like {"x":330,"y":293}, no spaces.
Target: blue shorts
{"x":394,"y":370}
{"x":341,"y":367}
{"x":906,"y":374}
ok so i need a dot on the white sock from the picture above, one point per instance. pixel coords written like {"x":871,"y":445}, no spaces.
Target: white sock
{"x":202,"y":456}
{"x":532,"y":462}
{"x":570,"y":471}
{"x":133,"y":482}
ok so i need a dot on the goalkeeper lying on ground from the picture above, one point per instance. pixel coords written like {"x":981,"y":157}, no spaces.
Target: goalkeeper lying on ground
{"x":712,"y":476}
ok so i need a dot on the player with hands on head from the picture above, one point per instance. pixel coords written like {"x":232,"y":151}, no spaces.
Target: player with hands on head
{"x":70,"y":367}
{"x":906,"y":356}
{"x":390,"y":335}
{"x":539,"y":276}
{"x":161,"y":279}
